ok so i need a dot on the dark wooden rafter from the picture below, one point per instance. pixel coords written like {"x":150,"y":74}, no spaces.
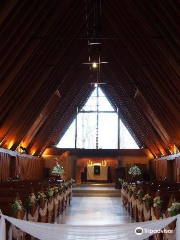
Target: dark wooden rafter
{"x":47,"y":111}
{"x":109,"y":92}
{"x":48,"y":85}
{"x":126,"y":82}
{"x":129,"y":68}
{"x":146,"y":81}
{"x":131,"y":111}
{"x":22,"y":84}
{"x":56,"y":123}
{"x":165,"y":72}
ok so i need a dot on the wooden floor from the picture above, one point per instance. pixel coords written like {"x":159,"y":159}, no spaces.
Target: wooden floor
{"x":95,"y":210}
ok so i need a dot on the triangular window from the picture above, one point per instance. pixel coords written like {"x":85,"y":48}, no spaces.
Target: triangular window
{"x":97,"y":126}
{"x":97,"y":100}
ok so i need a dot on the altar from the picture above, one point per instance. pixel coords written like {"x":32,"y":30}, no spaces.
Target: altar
{"x":97,"y":173}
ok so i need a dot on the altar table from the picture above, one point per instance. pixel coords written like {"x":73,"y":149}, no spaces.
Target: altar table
{"x":103,"y":176}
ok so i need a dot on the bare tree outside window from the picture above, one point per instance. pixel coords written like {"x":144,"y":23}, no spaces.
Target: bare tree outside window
{"x":97,"y":125}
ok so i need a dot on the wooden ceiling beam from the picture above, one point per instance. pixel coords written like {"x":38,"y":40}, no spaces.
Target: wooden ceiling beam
{"x":140,"y":122}
{"x":32,"y":88}
{"x":122,"y":81}
{"x":53,"y":124}
{"x":149,"y":90}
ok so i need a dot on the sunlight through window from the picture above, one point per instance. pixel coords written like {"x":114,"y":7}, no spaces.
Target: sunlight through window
{"x":97,"y":126}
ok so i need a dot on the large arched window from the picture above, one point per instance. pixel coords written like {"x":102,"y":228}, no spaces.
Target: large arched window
{"x":97,"y":127}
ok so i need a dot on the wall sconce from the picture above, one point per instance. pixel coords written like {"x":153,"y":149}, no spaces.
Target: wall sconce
{"x":23,"y":149}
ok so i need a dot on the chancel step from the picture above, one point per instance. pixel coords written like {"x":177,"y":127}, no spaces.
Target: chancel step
{"x":95,"y":190}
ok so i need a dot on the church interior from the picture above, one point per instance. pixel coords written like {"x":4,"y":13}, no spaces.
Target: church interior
{"x":89,"y":119}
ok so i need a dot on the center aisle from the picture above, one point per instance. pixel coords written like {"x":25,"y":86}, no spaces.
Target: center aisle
{"x":95,"y":210}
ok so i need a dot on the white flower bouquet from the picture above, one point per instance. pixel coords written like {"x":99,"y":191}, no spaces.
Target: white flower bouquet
{"x":58,"y":170}
{"x":121,"y":180}
{"x":49,"y":192}
{"x":157,"y":203}
{"x":56,"y":189}
{"x":129,"y":187}
{"x":31,"y":200}
{"x":140,"y":194}
{"x":135,"y":170}
{"x":41,"y":196}
{"x":60,"y":186}
{"x":65,"y":185}
{"x":175,"y":208}
{"x":134,"y":189}
{"x":147,"y":198}
{"x":71,"y":181}
{"x":16,"y":207}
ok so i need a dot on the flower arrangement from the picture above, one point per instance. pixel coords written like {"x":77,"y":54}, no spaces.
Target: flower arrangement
{"x":121,"y":180}
{"x":157,"y":203}
{"x":58,"y":170}
{"x":125,"y":184}
{"x":135,"y":170}
{"x":65,"y":185}
{"x":16,"y":207}
{"x":129,"y":187}
{"x":71,"y":181}
{"x":49,"y":192}
{"x":135,"y":192}
{"x":41,"y":196}
{"x":31,"y":200}
{"x":147,"y":198}
{"x":60,"y":186}
{"x":140,"y":194}
{"x":56,"y":190}
{"x":174,"y":209}
{"x":134,"y":189}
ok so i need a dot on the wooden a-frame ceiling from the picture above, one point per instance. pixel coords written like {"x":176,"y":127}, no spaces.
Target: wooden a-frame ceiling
{"x":42,"y":79}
